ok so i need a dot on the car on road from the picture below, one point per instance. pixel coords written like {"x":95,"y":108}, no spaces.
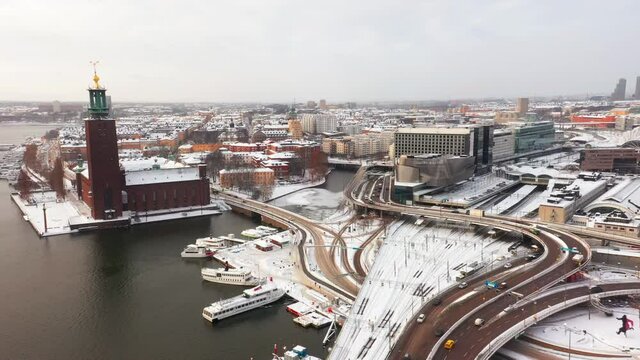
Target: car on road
{"x":531,"y":257}
{"x":449,"y":344}
{"x":437,"y":301}
{"x":479,"y":322}
{"x":508,"y":265}
{"x":421,"y":318}
{"x":462,"y":285}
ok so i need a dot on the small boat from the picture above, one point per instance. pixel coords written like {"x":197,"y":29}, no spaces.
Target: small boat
{"x":267,"y":230}
{"x":195,"y":251}
{"x":211,"y":242}
{"x":256,"y":297}
{"x":253,"y":233}
{"x":227,"y":275}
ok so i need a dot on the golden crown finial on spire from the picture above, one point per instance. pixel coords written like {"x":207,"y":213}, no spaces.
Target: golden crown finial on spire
{"x":96,"y":78}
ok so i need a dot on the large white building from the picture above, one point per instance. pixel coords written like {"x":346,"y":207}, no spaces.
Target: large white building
{"x":319,"y":123}
{"x":472,"y":140}
{"x":372,"y":144}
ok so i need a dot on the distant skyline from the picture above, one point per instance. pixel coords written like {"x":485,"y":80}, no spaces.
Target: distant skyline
{"x":275,"y":51}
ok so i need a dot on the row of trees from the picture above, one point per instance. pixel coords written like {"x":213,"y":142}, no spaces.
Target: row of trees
{"x":55,"y":176}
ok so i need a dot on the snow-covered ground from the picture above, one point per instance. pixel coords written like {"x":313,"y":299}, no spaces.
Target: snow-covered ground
{"x":601,"y":137}
{"x":279,"y":190}
{"x":58,"y":213}
{"x":411,"y":256}
{"x":279,"y":265}
{"x":282,"y":190}
{"x":61,"y":213}
{"x":315,"y":204}
{"x":589,"y":329}
{"x":585,"y":327}
{"x":552,"y":159}
{"x":511,"y":200}
{"x":470,"y":191}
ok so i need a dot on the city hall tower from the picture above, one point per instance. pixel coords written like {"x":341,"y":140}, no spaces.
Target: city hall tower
{"x":105,"y":176}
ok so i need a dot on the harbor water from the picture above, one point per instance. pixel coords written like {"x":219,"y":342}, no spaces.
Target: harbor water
{"x":127,"y":293}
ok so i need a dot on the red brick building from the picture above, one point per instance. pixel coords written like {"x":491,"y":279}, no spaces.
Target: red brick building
{"x":108,"y":190}
{"x":622,"y":160}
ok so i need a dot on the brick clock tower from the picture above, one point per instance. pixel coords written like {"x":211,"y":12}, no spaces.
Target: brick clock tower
{"x":105,"y":175}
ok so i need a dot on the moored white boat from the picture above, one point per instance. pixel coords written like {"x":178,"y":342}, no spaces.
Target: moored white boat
{"x":226,"y":275}
{"x":267,"y":230}
{"x":195,"y":251}
{"x":252,"y":233}
{"x":211,"y":242}
{"x":258,"y":296}
{"x":259,"y":232}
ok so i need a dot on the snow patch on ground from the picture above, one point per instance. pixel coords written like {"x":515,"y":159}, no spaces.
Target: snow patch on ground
{"x":589,"y":329}
{"x":411,"y":256}
{"x":315,"y":204}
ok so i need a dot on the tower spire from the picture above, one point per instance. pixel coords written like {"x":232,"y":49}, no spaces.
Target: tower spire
{"x":98,"y":106}
{"x":96,"y":78}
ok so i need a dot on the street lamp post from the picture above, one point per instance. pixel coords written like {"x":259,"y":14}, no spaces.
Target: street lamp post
{"x":567,"y":329}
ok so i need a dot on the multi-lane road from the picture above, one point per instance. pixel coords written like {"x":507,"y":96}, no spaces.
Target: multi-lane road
{"x":452,"y":315}
{"x":333,"y":276}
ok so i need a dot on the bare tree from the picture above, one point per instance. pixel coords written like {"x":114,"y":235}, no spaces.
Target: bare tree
{"x":24,"y":185}
{"x":296,"y":166}
{"x":318,"y":165}
{"x":267,"y":191}
{"x":30,"y":157}
{"x":56,"y":178}
{"x":215,"y":163}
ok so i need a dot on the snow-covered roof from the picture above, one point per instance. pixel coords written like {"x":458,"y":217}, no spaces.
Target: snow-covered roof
{"x":624,"y":196}
{"x":224,"y":171}
{"x":147,"y":163}
{"x":161,"y":176}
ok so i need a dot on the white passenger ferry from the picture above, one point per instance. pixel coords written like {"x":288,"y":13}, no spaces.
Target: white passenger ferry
{"x":195,"y":251}
{"x":226,"y":275}
{"x":211,"y":242}
{"x":259,"y":232}
{"x":250,"y":299}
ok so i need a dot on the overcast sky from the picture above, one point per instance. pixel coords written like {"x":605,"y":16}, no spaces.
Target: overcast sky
{"x":264,"y":50}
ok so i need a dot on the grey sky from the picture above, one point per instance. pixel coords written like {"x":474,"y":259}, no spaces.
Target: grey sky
{"x":263,"y":50}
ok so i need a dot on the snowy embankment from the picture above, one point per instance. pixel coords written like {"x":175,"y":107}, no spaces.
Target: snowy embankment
{"x":57,"y":213}
{"x":279,"y":190}
{"x":414,"y":264}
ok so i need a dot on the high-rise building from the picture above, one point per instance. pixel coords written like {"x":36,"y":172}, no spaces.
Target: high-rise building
{"x":503,"y":144}
{"x":522,"y":106}
{"x":619,"y":91}
{"x":326,"y":123}
{"x":56,"y":107}
{"x":308,"y":122}
{"x":319,"y":123}
{"x":476,"y":140}
{"x":323,"y":104}
{"x":102,"y":157}
{"x":637,"y":93}
{"x":533,"y":136}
